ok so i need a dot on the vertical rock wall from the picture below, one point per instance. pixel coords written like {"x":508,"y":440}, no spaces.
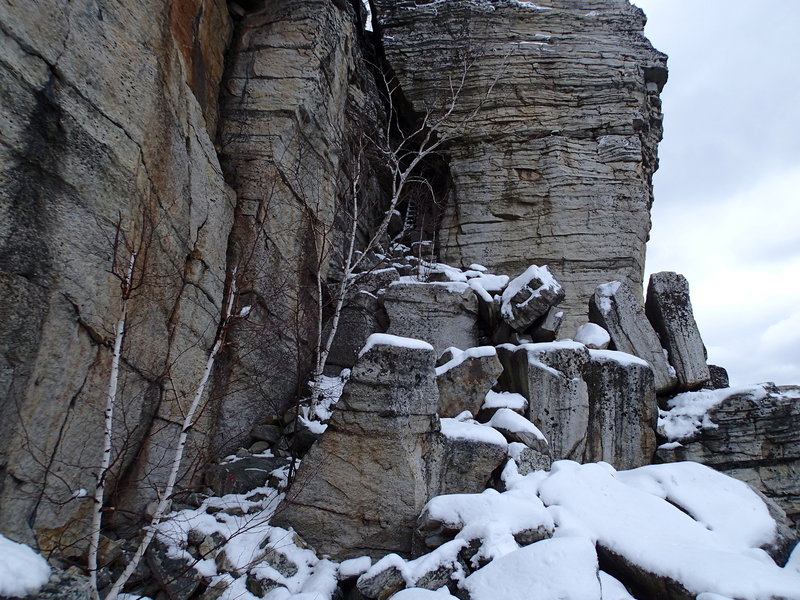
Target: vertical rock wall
{"x":108,"y":112}
{"x":294,"y":98}
{"x":555,"y":168}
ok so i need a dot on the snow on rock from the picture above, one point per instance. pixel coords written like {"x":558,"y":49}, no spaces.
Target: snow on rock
{"x":354,"y":567}
{"x":459,"y":356}
{"x":512,"y":400}
{"x":688,"y":412}
{"x":501,"y":521}
{"x":556,"y":569}
{"x":622,"y":358}
{"x":593,"y":336}
{"x":517,"y":428}
{"x":422,"y":594}
{"x":385,"y":339}
{"x":529,"y":297}
{"x":460,"y":430}
{"x":724,"y":505}
{"x":661,"y":546}
{"x":22,"y":570}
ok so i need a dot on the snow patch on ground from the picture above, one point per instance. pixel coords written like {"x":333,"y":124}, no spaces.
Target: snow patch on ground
{"x":22,"y":570}
{"x":550,"y":569}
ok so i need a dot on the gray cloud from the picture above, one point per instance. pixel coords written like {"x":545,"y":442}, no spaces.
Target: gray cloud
{"x":727,"y":207}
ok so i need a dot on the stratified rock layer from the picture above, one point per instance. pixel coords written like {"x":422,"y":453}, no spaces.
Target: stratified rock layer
{"x":555,"y":167}
{"x":669,"y":309}
{"x":292,"y":90}
{"x":755,"y":438}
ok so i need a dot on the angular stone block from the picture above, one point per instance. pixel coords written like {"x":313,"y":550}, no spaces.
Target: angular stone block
{"x":622,"y":409}
{"x":442,"y":314}
{"x":550,"y":376}
{"x":669,"y":309}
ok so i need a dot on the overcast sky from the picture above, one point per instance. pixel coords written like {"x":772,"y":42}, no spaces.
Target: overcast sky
{"x":727,"y":195}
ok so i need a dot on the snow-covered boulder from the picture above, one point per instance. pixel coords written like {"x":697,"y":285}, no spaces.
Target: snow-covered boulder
{"x":550,"y":377}
{"x":556,"y":569}
{"x":494,"y":401}
{"x":517,"y":428}
{"x":614,"y":307}
{"x":669,"y":531}
{"x":622,"y":409}
{"x":669,"y":310}
{"x":443,"y":314}
{"x":593,"y":336}
{"x":464,"y":380}
{"x":529,"y":297}
{"x":469,"y":453}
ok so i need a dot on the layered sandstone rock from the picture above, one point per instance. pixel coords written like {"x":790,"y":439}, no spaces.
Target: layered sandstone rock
{"x":295,"y":91}
{"x":555,"y":167}
{"x":109,"y":113}
{"x":752,"y":434}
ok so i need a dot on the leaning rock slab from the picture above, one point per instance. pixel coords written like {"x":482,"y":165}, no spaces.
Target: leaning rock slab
{"x":361,"y":487}
{"x":622,"y":409}
{"x":464,"y":380}
{"x":550,"y":376}
{"x":669,"y":309}
{"x":614,"y":307}
{"x":443,"y":314}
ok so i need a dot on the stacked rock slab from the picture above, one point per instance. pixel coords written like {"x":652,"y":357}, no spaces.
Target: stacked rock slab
{"x":443,"y":314}
{"x":550,"y":377}
{"x":464,"y":380}
{"x":615,"y":308}
{"x":669,"y":309}
{"x":755,"y":438}
{"x":622,"y":409}
{"x":360,"y":488}
{"x":109,"y":115}
{"x":555,"y":167}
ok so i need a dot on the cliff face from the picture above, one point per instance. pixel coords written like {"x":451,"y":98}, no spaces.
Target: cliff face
{"x":212,"y":142}
{"x":108,"y":116}
{"x":555,"y":167}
